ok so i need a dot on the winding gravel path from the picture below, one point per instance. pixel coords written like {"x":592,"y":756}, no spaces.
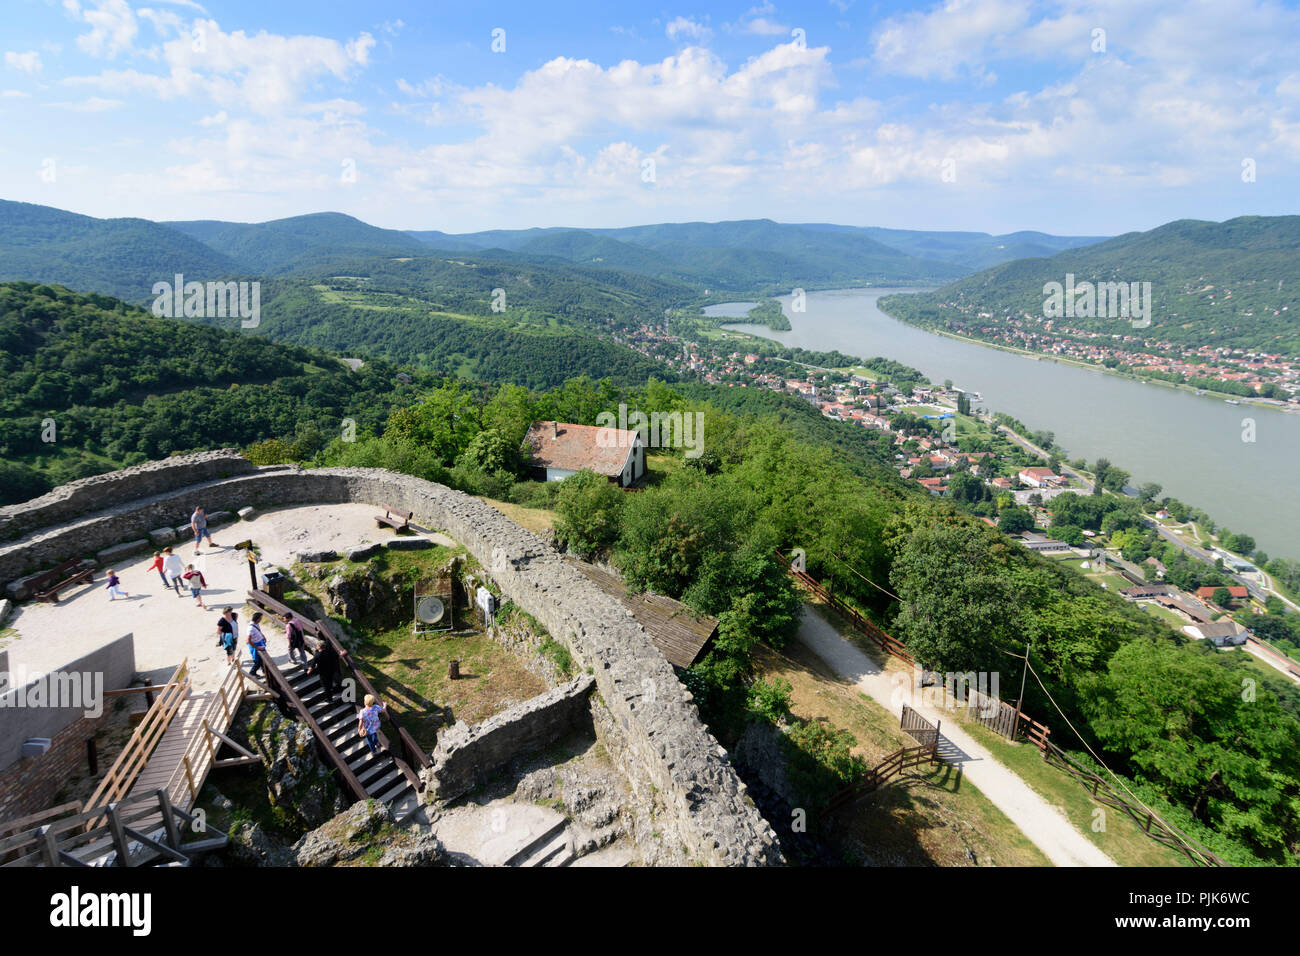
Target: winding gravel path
{"x":1041,"y":822}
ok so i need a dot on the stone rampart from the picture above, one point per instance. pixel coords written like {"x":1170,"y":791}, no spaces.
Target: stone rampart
{"x":653,"y":732}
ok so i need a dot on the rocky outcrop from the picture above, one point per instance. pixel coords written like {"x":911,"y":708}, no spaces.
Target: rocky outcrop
{"x":297,"y":781}
{"x":251,"y":846}
{"x":358,"y":594}
{"x":365,"y":835}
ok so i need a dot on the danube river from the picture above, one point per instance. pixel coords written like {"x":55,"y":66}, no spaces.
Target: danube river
{"x":1192,"y":445}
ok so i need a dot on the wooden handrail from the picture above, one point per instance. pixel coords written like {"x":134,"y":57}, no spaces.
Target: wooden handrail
{"x":411,"y":751}
{"x":199,"y":757}
{"x":336,"y":758}
{"x":117,"y":782}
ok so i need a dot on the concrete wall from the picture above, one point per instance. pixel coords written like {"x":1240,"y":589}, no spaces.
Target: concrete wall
{"x":467,"y":756}
{"x":107,"y":667}
{"x":654,"y":731}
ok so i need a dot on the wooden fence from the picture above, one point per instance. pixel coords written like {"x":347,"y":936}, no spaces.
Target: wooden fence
{"x":905,"y":758}
{"x":1007,"y":721}
{"x":886,"y":642}
{"x":1150,"y":822}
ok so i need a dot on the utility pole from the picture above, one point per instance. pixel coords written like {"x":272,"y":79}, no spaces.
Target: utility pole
{"x":1020,"y":701}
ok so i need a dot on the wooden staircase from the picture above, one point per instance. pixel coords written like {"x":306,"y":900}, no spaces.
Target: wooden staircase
{"x":381,"y":776}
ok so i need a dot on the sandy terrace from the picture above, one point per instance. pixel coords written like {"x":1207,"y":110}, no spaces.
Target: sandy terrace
{"x":169,"y":629}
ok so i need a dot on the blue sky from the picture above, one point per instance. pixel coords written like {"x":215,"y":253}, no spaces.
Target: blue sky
{"x":1079,"y":116}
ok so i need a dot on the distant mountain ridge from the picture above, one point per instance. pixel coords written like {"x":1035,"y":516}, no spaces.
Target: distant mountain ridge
{"x":125,"y":257}
{"x":283,"y":245}
{"x":814,"y":252}
{"x":118,"y":257}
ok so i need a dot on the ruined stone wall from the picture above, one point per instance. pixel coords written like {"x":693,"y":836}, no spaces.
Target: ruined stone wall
{"x":78,"y":498}
{"x":467,"y":756}
{"x":654,"y":731}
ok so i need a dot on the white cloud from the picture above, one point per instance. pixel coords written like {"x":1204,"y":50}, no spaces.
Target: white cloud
{"x":113,"y":27}
{"x":265,"y":73}
{"x":683,"y":27}
{"x":93,"y":104}
{"x":29,"y":62}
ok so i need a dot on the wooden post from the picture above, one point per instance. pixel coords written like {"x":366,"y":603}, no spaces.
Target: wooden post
{"x":148,"y":694}
{"x":169,"y":820}
{"x":119,"y":836}
{"x":453,"y":669}
{"x":189,"y":775}
{"x":92,"y":756}
{"x":49,"y":848}
{"x":252,"y":569}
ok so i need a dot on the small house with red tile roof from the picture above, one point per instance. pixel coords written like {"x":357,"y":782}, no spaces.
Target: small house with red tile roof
{"x":1236,"y":592}
{"x":558,"y":449}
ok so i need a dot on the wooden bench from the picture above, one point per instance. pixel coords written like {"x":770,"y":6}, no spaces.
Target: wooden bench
{"x":390,"y":518}
{"x":47,"y":586}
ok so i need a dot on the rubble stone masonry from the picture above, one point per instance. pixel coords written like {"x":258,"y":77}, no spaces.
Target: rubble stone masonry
{"x":653,"y":730}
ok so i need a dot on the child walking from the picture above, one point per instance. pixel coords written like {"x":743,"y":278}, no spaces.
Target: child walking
{"x":114,"y":586}
{"x":196,"y":582}
{"x":368,"y":722}
{"x":158,"y":566}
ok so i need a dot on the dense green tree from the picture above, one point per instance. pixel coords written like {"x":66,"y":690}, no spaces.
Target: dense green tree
{"x":587,"y":510}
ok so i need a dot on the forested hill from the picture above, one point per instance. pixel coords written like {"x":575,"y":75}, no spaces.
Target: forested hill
{"x":119,"y":257}
{"x":756,"y":254}
{"x":476,"y":317}
{"x":1234,"y":284}
{"x":121,"y":386}
{"x":282,"y":245}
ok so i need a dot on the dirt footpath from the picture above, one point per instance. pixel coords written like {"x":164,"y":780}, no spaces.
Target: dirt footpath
{"x":1042,"y":823}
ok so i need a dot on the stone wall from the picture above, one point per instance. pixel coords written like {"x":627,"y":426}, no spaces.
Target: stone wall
{"x":33,"y":783}
{"x":654,"y":731}
{"x":467,"y":756}
{"x":78,"y":498}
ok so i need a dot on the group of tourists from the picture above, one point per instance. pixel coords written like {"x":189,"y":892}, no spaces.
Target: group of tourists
{"x":174,"y":572}
{"x":323,"y":663}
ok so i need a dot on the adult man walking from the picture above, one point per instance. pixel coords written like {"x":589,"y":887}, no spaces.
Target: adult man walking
{"x":199,"y":525}
{"x":326,"y":664}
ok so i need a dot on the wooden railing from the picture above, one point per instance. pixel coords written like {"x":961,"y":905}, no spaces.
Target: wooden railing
{"x":886,"y":642}
{"x":412,"y":755}
{"x":281,"y":685}
{"x":410,"y":750}
{"x":122,"y":775}
{"x":131,"y":832}
{"x":200,"y":754}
